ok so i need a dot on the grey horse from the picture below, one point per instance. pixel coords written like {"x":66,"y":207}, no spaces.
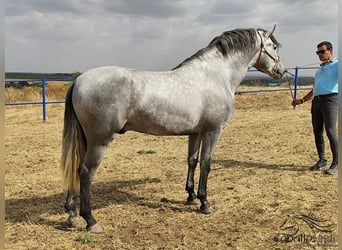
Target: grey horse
{"x":196,"y":98}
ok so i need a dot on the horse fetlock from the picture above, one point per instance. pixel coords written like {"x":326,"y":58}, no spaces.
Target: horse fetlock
{"x":91,"y":222}
{"x":192,"y":199}
{"x":205,"y":207}
{"x":193,"y":202}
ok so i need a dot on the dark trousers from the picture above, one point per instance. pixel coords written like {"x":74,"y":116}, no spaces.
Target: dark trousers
{"x":324,"y":111}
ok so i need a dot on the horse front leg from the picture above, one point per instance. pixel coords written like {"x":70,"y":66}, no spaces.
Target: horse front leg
{"x":209,"y":142}
{"x":193,"y":151}
{"x":202,"y":187}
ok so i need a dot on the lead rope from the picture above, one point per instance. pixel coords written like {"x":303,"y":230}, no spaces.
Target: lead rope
{"x":289,"y":83}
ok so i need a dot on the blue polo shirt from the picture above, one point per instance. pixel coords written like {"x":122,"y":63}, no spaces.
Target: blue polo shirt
{"x":326,"y":79}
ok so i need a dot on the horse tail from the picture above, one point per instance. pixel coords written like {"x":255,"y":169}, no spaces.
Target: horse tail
{"x":73,"y":146}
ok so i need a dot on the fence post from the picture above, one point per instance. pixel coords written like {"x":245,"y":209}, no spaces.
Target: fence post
{"x":295,"y":83}
{"x":44,"y":98}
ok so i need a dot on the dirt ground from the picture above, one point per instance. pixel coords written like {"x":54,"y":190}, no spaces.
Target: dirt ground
{"x":260,"y":178}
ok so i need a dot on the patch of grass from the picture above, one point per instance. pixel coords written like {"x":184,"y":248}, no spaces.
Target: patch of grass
{"x":85,"y":238}
{"x":146,"y":152}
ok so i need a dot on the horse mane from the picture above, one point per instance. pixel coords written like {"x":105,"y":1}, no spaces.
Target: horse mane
{"x":228,"y":42}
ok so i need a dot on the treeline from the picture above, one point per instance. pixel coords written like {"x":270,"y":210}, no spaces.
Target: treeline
{"x":268,"y":81}
{"x":30,"y":76}
{"x":19,"y":80}
{"x":248,"y":80}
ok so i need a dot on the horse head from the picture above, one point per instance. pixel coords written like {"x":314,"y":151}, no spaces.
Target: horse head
{"x":267,"y":59}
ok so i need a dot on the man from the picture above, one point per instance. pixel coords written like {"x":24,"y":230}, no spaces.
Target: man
{"x":324,"y":106}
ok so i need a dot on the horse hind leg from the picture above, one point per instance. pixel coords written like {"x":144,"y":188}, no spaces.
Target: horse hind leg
{"x":74,"y":221}
{"x":87,"y":172}
{"x":93,"y":159}
{"x":193,"y":152}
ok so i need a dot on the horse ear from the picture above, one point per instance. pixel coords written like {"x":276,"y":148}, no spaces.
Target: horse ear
{"x":270,"y":33}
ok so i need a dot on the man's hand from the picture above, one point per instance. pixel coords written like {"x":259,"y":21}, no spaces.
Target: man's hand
{"x":296,"y":102}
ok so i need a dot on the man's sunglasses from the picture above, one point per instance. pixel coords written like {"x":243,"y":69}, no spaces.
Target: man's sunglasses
{"x":321,"y":51}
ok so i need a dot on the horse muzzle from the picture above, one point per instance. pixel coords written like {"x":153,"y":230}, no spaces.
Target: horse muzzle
{"x":278,"y":71}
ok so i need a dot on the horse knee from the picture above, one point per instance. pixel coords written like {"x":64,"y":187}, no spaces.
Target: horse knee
{"x":84,"y":173}
{"x":92,"y":174}
{"x":206,"y":165}
{"x":192,"y":161}
{"x":83,"y":170}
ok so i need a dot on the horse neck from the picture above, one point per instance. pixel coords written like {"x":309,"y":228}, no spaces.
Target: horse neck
{"x":231,"y":69}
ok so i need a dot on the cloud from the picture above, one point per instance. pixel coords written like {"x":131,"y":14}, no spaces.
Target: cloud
{"x":301,"y":15}
{"x":20,"y":8}
{"x":149,"y":34}
{"x":146,"y":8}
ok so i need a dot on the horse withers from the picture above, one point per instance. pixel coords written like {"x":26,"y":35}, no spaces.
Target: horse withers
{"x":196,"y":98}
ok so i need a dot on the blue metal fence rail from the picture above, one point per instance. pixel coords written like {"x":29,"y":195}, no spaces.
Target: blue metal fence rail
{"x":44,"y":80}
{"x":44,"y":101}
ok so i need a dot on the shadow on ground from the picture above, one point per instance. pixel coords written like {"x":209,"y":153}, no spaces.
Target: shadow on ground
{"x":34,"y":209}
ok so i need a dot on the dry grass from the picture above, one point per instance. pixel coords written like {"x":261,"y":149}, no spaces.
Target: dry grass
{"x":259,"y":176}
{"x":54,"y":91}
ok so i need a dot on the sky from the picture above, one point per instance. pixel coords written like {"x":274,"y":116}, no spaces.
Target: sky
{"x":75,"y":35}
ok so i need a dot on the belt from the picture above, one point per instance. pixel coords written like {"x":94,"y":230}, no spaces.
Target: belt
{"x":325,"y":96}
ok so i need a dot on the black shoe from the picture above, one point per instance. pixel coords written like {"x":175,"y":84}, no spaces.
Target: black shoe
{"x":319,"y":165}
{"x":333,"y":169}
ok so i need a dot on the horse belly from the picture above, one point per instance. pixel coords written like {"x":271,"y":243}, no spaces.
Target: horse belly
{"x":179,"y":114}
{"x":162,"y":121}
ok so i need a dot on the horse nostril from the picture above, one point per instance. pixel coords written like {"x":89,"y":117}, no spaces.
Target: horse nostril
{"x":280,"y":70}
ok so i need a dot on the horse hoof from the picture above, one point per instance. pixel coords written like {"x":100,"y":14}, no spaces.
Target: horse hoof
{"x":206,"y":210}
{"x":76,"y":222}
{"x":193,"y":202}
{"x":95,"y":229}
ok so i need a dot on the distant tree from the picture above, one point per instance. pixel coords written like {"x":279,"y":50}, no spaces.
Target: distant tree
{"x":76,"y":74}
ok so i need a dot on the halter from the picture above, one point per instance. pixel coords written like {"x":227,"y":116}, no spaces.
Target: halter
{"x":263,"y":49}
